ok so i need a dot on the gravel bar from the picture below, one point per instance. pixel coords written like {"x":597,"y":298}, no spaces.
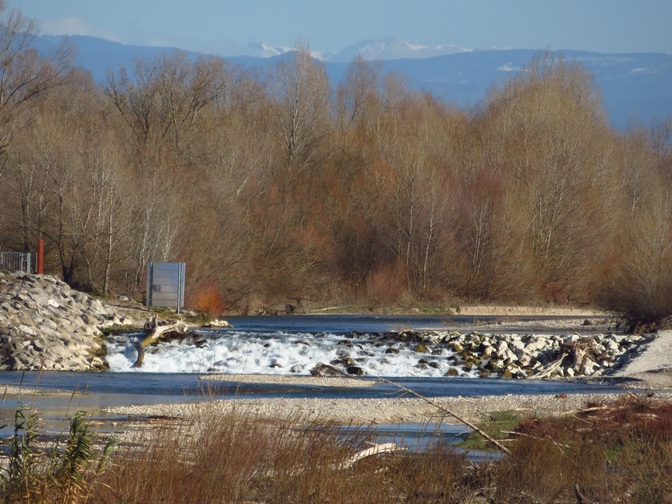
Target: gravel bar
{"x":382,"y":411}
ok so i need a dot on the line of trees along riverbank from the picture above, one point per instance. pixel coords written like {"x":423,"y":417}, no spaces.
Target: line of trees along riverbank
{"x":271,"y":185}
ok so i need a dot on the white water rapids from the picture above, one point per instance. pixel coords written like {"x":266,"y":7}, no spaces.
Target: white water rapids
{"x":231,"y":351}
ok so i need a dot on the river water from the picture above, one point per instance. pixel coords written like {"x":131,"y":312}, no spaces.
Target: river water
{"x":266,"y":345}
{"x":294,"y":345}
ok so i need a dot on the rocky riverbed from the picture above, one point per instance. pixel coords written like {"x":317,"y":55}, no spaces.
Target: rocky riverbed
{"x":527,"y":355}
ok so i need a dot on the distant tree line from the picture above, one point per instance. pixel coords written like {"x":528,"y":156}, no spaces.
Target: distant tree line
{"x":272,"y":185}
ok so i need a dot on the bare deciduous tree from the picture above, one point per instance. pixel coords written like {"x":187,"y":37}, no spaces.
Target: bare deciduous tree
{"x":299,"y":91}
{"x":24,"y":75}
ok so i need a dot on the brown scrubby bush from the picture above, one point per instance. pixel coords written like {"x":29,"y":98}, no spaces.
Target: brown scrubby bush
{"x":209,"y":301}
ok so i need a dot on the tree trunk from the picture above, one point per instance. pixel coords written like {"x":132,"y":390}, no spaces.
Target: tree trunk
{"x":153,"y":333}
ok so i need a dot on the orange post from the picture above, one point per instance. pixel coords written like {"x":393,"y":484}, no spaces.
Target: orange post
{"x":40,"y":256}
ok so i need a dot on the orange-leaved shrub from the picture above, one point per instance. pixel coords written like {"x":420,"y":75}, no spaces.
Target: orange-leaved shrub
{"x":209,"y":301}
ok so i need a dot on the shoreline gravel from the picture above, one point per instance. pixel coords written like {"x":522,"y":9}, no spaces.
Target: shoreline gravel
{"x":383,"y":411}
{"x":318,"y":381}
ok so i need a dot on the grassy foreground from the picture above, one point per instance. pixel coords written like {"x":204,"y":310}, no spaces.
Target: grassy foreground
{"x":618,"y":452}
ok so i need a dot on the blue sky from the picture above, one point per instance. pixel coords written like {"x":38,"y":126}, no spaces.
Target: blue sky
{"x":226,"y":26}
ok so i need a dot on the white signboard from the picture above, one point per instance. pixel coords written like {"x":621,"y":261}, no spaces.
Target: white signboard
{"x":165,"y":285}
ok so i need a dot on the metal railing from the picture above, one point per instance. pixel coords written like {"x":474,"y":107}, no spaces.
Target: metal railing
{"x":18,"y":261}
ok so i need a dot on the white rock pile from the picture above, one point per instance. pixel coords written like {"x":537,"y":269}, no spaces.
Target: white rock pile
{"x":44,"y":324}
{"x":539,"y":356}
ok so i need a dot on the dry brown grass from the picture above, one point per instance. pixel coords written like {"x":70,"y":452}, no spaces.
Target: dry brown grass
{"x":230,"y":458}
{"x":618,"y":452}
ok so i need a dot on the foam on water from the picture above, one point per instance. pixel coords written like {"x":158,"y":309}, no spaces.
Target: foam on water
{"x":279,"y":353}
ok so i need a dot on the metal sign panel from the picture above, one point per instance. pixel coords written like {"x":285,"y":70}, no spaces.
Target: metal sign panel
{"x":165,"y":285}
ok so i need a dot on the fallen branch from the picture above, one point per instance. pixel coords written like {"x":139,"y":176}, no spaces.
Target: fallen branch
{"x":582,"y":352}
{"x":327,"y":309}
{"x":583,"y":410}
{"x":522,"y":434}
{"x":550,"y":368}
{"x":348,"y":463}
{"x":635,"y":396}
{"x":445,"y":410}
{"x":374,"y":450}
{"x":153,"y":333}
{"x":440,"y":408}
{"x":580,"y":499}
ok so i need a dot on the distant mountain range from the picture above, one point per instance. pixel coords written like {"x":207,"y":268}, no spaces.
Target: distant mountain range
{"x":392,"y":48}
{"x":635,"y":87}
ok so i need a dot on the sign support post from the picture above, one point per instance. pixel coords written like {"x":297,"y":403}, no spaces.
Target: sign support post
{"x":40,"y":256}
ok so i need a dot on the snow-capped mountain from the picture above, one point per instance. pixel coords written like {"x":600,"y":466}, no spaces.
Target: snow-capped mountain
{"x":257,"y":48}
{"x":392,"y":48}
{"x":633,"y":86}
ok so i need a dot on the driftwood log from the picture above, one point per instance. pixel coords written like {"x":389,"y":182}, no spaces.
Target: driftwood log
{"x":454,"y":415}
{"x":321,"y":368}
{"x":153,"y":333}
{"x":376,"y":449}
{"x":579,"y":351}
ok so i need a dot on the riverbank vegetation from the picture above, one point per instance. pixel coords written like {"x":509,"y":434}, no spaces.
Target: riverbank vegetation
{"x":278,"y":188}
{"x":617,"y":452}
{"x":57,"y":469}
